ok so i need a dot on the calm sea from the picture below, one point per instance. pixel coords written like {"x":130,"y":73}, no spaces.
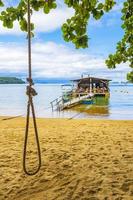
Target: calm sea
{"x":13,"y":102}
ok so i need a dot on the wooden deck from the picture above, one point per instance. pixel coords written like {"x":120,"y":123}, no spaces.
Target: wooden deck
{"x":61,"y":105}
{"x":74,"y":101}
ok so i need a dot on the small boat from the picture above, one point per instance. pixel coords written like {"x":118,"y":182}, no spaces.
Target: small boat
{"x":86,"y":90}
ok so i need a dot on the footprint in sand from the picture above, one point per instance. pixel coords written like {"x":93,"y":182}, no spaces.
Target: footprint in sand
{"x":126,"y":185}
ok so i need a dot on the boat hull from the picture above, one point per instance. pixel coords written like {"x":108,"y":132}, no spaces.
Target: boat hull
{"x":97,"y":100}
{"x":87,"y":101}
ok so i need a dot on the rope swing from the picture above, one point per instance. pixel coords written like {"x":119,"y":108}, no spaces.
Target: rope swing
{"x":30,"y":105}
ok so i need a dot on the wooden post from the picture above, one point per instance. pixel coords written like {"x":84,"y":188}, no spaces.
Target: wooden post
{"x":90,"y":85}
{"x":52,"y":106}
{"x":56,"y":101}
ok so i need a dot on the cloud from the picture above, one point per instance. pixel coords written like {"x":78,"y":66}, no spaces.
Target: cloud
{"x":43,"y":22}
{"x":51,"y":60}
{"x":54,"y":20}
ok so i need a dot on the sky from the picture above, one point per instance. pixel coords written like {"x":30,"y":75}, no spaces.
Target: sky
{"x":52,"y":57}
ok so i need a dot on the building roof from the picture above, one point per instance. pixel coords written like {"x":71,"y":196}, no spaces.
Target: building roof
{"x":92,"y":78}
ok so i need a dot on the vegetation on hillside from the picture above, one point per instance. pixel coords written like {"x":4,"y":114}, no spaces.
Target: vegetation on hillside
{"x":10,"y":80}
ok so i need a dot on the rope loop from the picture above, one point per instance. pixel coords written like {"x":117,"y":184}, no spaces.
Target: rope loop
{"x":30,"y":105}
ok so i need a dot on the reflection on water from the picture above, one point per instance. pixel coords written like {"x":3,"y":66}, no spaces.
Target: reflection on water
{"x":92,"y":109}
{"x":100,"y":107}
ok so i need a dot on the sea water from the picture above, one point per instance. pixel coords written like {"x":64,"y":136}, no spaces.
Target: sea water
{"x":13,"y":102}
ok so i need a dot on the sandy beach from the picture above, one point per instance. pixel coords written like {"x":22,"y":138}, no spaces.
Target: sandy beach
{"x":81,"y":160}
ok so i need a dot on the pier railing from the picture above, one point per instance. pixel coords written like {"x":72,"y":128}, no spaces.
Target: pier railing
{"x":60,"y":104}
{"x":57,"y":103}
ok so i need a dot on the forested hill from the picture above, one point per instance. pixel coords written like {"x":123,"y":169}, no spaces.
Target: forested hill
{"x":11,"y":80}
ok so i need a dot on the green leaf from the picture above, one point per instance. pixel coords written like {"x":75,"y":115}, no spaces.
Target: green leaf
{"x":1,"y":3}
{"x":46,"y":9}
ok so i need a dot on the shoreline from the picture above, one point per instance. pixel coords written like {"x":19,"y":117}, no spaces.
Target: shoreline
{"x":82,"y":159}
{"x":61,"y":118}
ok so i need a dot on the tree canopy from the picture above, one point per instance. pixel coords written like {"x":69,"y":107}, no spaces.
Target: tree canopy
{"x":75,"y":29}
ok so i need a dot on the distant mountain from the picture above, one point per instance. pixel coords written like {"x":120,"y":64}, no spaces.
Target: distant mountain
{"x":11,"y":80}
{"x":51,"y":81}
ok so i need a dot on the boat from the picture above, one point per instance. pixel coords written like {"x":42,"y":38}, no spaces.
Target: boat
{"x":85,"y":90}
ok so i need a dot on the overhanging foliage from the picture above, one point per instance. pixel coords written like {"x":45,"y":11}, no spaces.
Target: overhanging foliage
{"x":75,"y":29}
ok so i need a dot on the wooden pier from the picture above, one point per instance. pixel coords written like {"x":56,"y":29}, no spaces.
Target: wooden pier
{"x":59,"y":104}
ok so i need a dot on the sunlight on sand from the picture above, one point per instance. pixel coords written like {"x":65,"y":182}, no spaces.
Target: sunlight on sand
{"x":81,"y":160}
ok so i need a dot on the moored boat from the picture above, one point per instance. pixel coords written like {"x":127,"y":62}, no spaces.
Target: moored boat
{"x":86,"y":90}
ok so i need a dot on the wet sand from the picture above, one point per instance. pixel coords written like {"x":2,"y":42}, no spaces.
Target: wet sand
{"x":81,"y":160}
